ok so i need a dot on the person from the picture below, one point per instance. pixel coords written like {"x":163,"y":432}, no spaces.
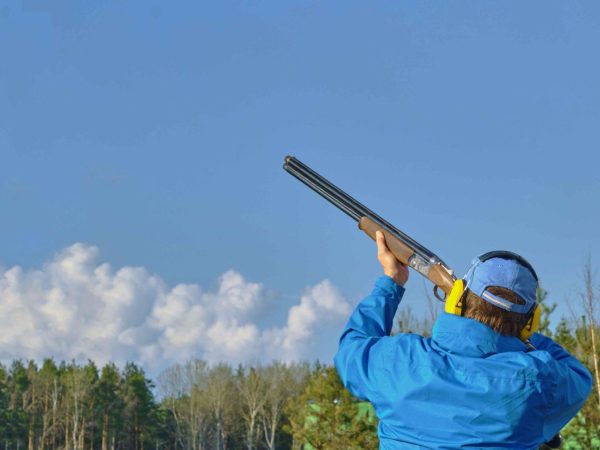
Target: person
{"x":475,"y":383}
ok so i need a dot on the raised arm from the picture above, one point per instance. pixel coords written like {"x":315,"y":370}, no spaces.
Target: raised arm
{"x":365,"y":340}
{"x":572,"y":383}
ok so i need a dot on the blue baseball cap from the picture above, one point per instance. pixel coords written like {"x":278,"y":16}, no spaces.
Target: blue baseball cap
{"x":507,"y":270}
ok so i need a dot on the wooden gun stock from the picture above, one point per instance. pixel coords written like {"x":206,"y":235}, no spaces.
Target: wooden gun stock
{"x":403,"y":253}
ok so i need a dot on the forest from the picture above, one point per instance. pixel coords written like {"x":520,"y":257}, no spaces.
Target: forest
{"x":195,"y":405}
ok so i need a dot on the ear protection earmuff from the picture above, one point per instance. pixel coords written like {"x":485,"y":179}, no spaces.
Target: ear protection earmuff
{"x":532,"y":324}
{"x":454,"y":301}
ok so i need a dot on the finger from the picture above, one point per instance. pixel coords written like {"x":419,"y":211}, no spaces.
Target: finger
{"x":382,"y":248}
{"x":380,"y":240}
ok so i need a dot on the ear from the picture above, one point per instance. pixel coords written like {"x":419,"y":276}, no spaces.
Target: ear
{"x":454,"y":302}
{"x":532,"y":324}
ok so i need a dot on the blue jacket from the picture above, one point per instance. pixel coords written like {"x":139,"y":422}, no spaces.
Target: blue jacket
{"x":465,"y":387}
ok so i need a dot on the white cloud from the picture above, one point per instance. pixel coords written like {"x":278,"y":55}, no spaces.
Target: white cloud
{"x":77,"y":308}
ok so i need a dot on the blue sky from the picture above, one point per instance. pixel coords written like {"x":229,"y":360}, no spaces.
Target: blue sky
{"x":156,"y":132}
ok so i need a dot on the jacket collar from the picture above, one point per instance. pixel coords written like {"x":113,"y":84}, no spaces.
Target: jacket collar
{"x":464,"y":336}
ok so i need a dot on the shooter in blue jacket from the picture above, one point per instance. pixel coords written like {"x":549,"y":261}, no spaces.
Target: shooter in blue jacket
{"x":483,"y":379}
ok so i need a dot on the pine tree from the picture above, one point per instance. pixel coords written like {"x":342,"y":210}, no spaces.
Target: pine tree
{"x":110,"y":405}
{"x":564,"y":336}
{"x":4,"y":403}
{"x":546,"y":311}
{"x":50,"y":390}
{"x":327,"y":416}
{"x":18,"y":384}
{"x":140,"y":409}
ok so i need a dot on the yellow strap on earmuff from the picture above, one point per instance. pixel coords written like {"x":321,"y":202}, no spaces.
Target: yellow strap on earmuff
{"x":532,"y":324}
{"x":454,"y":301}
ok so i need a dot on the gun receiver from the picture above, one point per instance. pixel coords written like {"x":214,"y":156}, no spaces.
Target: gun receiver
{"x":403,"y":247}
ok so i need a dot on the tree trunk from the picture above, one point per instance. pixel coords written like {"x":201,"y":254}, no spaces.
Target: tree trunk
{"x":92,"y":433}
{"x":42,"y":441}
{"x":105,"y":432}
{"x":589,"y":300}
{"x":595,"y":358}
{"x":250,"y":436}
{"x":218,"y":434}
{"x":30,"y":438}
{"x":67,"y":446}
{"x":32,"y":413}
{"x":270,"y":422}
{"x":136,"y":432}
{"x":54,"y":407}
{"x":81,"y":443}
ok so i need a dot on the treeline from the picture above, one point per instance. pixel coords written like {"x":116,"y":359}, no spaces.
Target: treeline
{"x":70,"y":406}
{"x":216,"y":407}
{"x":190,"y":406}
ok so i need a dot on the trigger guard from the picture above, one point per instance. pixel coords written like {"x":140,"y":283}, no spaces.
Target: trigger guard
{"x":437,"y":295}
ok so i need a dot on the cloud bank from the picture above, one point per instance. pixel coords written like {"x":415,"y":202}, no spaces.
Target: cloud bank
{"x":75,"y":307}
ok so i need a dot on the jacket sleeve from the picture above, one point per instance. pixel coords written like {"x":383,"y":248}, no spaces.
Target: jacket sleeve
{"x":365,"y":341}
{"x":571,"y":383}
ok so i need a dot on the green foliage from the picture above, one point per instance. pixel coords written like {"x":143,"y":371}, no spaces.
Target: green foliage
{"x":109,"y":403}
{"x":581,"y":434}
{"x":564,"y":336}
{"x":70,"y":406}
{"x":4,"y":411}
{"x":546,"y":311}
{"x":140,"y":413}
{"x":326,"y":416}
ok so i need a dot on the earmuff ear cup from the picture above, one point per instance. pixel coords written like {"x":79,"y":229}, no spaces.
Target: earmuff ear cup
{"x":454,"y":301}
{"x":532,"y":324}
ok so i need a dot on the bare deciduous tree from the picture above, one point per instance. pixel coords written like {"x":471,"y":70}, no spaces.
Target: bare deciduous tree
{"x":184,"y":391}
{"x":221,"y":395}
{"x":78,"y":387}
{"x":253,"y":389}
{"x":284,"y":381}
{"x":589,"y":301}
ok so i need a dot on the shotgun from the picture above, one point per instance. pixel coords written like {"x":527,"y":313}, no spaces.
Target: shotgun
{"x":403,"y":247}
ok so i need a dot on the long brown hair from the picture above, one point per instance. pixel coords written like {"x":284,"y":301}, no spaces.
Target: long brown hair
{"x":504,"y":322}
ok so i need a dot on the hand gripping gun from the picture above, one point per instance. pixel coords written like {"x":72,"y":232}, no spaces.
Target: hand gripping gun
{"x":403,"y":247}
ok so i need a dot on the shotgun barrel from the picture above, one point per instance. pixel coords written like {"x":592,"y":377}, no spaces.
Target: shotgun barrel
{"x":405,"y":248}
